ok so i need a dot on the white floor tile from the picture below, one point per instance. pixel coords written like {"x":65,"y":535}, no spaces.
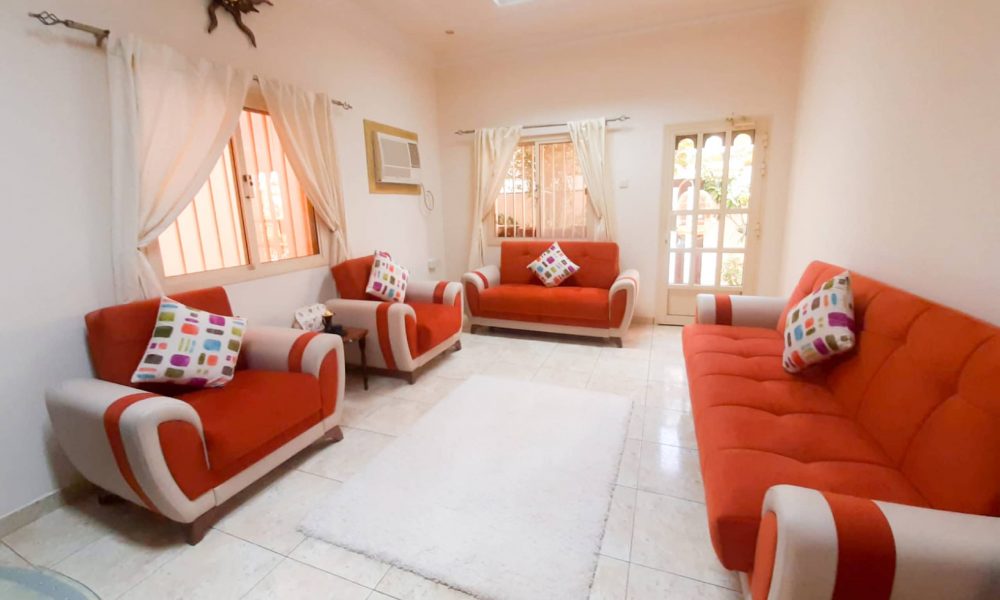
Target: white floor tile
{"x":630,"y":387}
{"x":650,"y":584}
{"x":626,"y":368}
{"x":570,"y":379}
{"x":617,"y":542}
{"x":635,"y":421}
{"x":671,"y":471}
{"x":61,"y":532}
{"x":428,"y":389}
{"x":668,"y":396}
{"x":293,"y":579}
{"x":407,"y":586}
{"x":268,"y":513}
{"x":669,"y":427}
{"x":511,"y":370}
{"x":345,"y":458}
{"x":9,"y":558}
{"x":393,"y":416}
{"x":218,"y":568}
{"x":672,"y":535}
{"x":139,"y":545}
{"x":628,"y":471}
{"x":380,"y":596}
{"x":610,"y":580}
{"x":338,"y":561}
{"x":567,"y":362}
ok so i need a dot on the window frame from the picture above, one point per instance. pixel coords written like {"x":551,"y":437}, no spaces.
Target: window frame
{"x":493,"y":239}
{"x":254,"y":269}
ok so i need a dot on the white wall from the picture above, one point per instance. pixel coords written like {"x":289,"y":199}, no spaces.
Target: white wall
{"x":895,"y":166}
{"x":745,"y":65}
{"x":54,"y":148}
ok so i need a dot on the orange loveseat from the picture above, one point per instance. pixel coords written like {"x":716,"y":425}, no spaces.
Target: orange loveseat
{"x":183,"y":451}
{"x":597,"y":301}
{"x":862,"y":477}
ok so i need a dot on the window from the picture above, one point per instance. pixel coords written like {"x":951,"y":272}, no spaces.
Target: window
{"x":252,"y":212}
{"x":543,"y":194}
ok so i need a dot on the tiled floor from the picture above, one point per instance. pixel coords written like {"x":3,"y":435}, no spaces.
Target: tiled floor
{"x":655,"y":546}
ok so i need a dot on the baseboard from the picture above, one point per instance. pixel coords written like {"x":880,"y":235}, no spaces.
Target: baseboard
{"x":33,"y":511}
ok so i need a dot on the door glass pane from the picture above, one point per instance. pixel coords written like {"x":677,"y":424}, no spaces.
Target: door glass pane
{"x":681,"y":236}
{"x":712,"y":161}
{"x":732,"y":269}
{"x":684,"y":157}
{"x":704,"y":268}
{"x":708,"y":231}
{"x":740,"y":170}
{"x":684,"y":194}
{"x":736,"y":230}
{"x":680,"y":268}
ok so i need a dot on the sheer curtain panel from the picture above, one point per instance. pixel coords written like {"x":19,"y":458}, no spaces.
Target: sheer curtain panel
{"x":494,"y":149}
{"x":590,"y":141}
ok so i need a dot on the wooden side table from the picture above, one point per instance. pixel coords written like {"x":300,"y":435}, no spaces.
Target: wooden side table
{"x":360,"y":336}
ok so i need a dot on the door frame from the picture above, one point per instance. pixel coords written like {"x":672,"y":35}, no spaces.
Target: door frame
{"x":758,"y":195}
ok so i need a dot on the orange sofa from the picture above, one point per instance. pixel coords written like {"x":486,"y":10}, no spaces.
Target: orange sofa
{"x":597,"y":301}
{"x":182,"y":451}
{"x":875,"y":474}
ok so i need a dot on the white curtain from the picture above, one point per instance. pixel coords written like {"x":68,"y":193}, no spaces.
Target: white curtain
{"x":304,"y":124}
{"x":590,"y":142}
{"x":171,"y":117}
{"x":493,"y":152}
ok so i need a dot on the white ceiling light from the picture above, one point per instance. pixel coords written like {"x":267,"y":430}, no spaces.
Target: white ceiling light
{"x":509,"y":2}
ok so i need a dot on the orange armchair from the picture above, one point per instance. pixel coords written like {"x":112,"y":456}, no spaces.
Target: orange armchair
{"x":403,"y":336}
{"x":182,"y":452}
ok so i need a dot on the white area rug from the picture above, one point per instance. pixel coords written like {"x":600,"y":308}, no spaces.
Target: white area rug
{"x":501,"y":491}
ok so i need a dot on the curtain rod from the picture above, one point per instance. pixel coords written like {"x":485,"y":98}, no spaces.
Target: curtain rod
{"x":544,"y":125}
{"x":101,"y":35}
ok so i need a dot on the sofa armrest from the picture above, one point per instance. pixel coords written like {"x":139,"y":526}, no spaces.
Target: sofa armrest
{"x":110,"y":433}
{"x":741,"y":311}
{"x":434,"y":292}
{"x":295,"y":351}
{"x":391,"y":330}
{"x":475,"y":282}
{"x":812,"y":543}
{"x":621,"y":299}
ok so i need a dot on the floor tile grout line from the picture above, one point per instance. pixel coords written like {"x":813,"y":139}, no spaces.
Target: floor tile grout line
{"x":688,"y":577}
{"x":18,"y":554}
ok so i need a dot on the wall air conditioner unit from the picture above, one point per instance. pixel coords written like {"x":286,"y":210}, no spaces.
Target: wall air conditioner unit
{"x":397,"y":159}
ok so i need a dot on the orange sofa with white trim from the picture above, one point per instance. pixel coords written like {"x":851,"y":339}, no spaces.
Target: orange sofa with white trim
{"x":183,"y":451}
{"x":597,"y":301}
{"x":876,"y":474}
{"x":402,"y":336}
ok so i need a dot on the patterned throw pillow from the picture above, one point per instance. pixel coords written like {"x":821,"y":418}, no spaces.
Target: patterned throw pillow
{"x":388,"y":280}
{"x":191,"y":347}
{"x":553,"y":266}
{"x":821,"y":326}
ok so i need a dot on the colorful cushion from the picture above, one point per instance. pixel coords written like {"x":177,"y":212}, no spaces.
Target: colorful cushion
{"x":821,"y":325}
{"x":191,"y":347}
{"x":387,"y":280}
{"x":553,"y":266}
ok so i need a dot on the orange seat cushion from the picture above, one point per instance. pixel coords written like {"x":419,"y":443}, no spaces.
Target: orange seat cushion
{"x":584,"y":306}
{"x":435,"y":323}
{"x":253,"y":415}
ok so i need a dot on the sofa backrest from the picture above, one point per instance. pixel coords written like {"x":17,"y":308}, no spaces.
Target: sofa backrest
{"x":117,"y":335}
{"x":351,"y":277}
{"x":924,"y":381}
{"x":598,"y":262}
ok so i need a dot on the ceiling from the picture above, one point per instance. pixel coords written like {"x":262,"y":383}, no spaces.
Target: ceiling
{"x":481,"y":27}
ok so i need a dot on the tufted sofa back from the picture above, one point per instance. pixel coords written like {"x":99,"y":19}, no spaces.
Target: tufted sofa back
{"x":924,"y":381}
{"x":598,"y":262}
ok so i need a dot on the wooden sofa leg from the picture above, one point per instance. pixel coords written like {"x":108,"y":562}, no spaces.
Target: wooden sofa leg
{"x":334,"y":435}
{"x":411,"y":377}
{"x":196,"y":530}
{"x":617,"y":341}
{"x":457,"y":346}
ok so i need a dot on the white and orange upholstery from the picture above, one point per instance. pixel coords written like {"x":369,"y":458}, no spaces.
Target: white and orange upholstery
{"x":597,"y":301}
{"x":740,"y":311}
{"x":900,"y":436}
{"x":823,"y":545}
{"x":402,"y":336}
{"x":180,"y":451}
